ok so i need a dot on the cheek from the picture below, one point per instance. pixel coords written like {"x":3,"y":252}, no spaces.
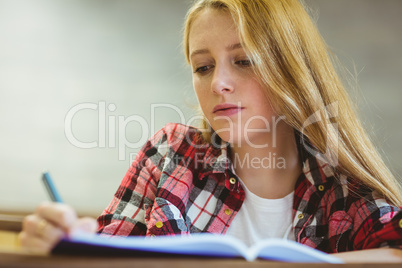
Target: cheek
{"x":200,"y":91}
{"x":259,"y":98}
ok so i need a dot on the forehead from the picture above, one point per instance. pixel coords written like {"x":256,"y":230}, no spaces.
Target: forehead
{"x":212,"y":25}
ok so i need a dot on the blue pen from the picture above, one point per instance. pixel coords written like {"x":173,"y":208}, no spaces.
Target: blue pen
{"x":51,"y":189}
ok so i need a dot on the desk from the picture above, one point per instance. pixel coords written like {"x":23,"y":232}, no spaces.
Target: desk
{"x":15,"y":259}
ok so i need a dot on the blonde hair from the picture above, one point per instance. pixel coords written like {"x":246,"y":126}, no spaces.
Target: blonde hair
{"x":293,"y":63}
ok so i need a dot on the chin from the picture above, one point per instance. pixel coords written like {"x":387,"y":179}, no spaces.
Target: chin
{"x":228,"y":137}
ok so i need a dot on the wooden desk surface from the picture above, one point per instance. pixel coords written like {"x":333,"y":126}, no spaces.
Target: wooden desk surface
{"x":15,"y":259}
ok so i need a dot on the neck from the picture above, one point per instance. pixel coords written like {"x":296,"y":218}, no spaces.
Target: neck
{"x":269,"y":170}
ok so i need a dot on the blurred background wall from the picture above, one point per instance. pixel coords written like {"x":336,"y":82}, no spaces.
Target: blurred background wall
{"x":80,"y":79}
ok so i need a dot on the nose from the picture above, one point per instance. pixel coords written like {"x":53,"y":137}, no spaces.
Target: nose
{"x":222,"y":81}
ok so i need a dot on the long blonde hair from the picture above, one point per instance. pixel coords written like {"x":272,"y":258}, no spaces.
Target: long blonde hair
{"x":293,"y":63}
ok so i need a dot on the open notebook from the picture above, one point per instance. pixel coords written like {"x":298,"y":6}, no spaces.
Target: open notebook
{"x":206,"y":245}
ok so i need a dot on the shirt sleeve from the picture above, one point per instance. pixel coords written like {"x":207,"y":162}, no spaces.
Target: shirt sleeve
{"x":377,"y":224}
{"x":127,"y":212}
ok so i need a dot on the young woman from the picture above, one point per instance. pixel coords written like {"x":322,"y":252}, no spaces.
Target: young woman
{"x":280,"y":154}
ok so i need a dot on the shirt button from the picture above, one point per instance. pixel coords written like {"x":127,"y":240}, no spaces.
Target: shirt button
{"x":400,"y":223}
{"x":159,"y":224}
{"x":300,"y":216}
{"x":232,"y":180}
{"x":321,"y":188}
{"x":228,"y":211}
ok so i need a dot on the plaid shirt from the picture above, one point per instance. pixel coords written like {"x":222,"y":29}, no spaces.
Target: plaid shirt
{"x":178,"y":186}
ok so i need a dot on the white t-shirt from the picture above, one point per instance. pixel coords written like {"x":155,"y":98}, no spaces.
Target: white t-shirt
{"x":261,"y":218}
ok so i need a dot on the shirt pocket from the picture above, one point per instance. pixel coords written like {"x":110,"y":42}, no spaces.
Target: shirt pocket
{"x":165,"y":219}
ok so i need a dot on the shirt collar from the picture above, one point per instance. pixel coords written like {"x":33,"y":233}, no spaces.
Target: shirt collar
{"x":216,"y":160}
{"x":317,"y":171}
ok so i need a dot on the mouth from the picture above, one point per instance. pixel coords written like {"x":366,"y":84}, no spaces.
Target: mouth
{"x":226,"y":108}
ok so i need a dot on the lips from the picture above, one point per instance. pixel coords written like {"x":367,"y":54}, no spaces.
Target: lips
{"x":226,"y":109}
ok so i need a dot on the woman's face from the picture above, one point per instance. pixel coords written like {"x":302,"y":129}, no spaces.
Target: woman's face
{"x":230,"y":94}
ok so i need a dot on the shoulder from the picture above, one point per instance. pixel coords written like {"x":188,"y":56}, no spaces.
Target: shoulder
{"x":166,"y":148}
{"x":358,"y":199}
{"x":179,"y":139}
{"x":358,"y":196}
{"x":359,"y":217}
{"x":176,"y":130}
{"x":341,"y":199}
{"x":366,"y":208}
{"x":175,"y":134}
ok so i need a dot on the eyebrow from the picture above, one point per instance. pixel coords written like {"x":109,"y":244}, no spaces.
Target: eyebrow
{"x":204,"y":51}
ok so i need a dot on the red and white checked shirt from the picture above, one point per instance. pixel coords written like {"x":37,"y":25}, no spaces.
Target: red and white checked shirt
{"x":179,"y":186}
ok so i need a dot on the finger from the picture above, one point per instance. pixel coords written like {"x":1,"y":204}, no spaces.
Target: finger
{"x":29,"y":222}
{"x":34,"y":245}
{"x":59,"y":214}
{"x":37,"y":227}
{"x":86,"y":224}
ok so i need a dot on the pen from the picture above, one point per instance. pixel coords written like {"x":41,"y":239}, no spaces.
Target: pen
{"x":51,"y":189}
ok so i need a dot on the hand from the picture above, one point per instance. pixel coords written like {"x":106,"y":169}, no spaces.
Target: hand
{"x":49,"y":224}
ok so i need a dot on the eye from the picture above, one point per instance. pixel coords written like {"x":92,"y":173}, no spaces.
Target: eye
{"x":244,"y":63}
{"x":203,"y":69}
